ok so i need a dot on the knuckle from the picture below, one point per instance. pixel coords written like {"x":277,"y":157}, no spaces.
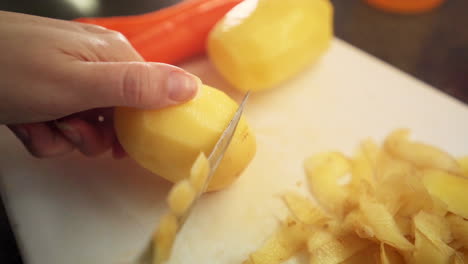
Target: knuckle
{"x":127,"y":51}
{"x":118,"y":37}
{"x":92,"y":28}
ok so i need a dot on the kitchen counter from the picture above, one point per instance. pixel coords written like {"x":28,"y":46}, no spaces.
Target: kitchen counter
{"x":433,"y":47}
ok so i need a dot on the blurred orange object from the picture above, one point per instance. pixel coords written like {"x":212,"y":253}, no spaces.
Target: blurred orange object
{"x":405,"y":6}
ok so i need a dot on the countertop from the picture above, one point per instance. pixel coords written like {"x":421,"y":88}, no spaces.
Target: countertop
{"x":433,"y":46}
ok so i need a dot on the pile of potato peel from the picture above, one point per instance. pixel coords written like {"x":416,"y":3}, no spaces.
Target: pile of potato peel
{"x":402,"y":202}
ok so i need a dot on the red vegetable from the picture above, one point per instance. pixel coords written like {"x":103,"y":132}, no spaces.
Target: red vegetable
{"x":172,"y":34}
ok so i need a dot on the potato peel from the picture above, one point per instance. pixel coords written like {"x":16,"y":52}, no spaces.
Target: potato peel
{"x":180,"y":198}
{"x":419,"y":154}
{"x":428,"y":252}
{"x":325,"y":248}
{"x":459,"y":229}
{"x":164,"y":238}
{"x":324,"y":172}
{"x":389,"y":255}
{"x":285,"y":242}
{"x":383,"y":224}
{"x":406,"y":202}
{"x":199,"y":172}
{"x":303,"y":209}
{"x":448,"y":188}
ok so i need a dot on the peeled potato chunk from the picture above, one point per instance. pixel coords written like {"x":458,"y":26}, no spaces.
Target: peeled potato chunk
{"x":261,"y":43}
{"x":167,"y":141}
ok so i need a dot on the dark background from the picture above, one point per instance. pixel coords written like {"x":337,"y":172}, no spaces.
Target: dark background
{"x":432,"y":46}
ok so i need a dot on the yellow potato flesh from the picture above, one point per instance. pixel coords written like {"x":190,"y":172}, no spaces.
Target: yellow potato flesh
{"x":181,"y":197}
{"x":261,"y":43}
{"x":448,"y":188}
{"x":167,"y":141}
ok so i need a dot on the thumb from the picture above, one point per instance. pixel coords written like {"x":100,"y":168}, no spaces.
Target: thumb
{"x":136,"y":84}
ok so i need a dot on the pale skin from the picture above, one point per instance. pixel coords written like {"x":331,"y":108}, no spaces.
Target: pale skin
{"x":59,"y":81}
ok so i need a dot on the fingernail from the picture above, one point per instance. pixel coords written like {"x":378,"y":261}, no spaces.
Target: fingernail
{"x":69,"y":132}
{"x":22,"y":133}
{"x":182,"y":86}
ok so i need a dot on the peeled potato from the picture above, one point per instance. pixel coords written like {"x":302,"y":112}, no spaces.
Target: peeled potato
{"x":167,"y":141}
{"x":261,"y":43}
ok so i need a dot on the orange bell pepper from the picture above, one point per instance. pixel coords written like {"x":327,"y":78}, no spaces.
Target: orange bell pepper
{"x":405,"y":6}
{"x":172,"y":34}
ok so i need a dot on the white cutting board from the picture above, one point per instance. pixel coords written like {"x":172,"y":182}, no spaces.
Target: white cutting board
{"x":78,"y":210}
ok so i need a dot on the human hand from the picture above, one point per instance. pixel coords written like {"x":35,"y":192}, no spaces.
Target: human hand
{"x":59,"y":81}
